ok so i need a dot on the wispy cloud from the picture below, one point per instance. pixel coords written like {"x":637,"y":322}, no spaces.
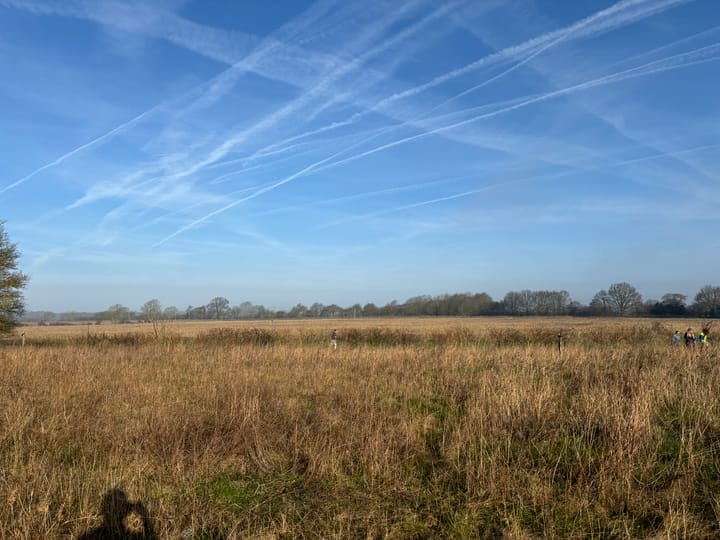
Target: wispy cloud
{"x":224,"y":46}
{"x":620,"y":14}
{"x":43,"y":258}
{"x":319,"y":89}
{"x":678,"y":61}
{"x":555,"y":71}
{"x":341,"y":134}
{"x":232,"y":48}
{"x":511,"y":182}
{"x":373,"y":194}
{"x":195,"y":37}
{"x":253,"y":195}
{"x":95,"y":142}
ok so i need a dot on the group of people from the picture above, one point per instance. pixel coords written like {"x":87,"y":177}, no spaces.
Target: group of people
{"x":690,"y":338}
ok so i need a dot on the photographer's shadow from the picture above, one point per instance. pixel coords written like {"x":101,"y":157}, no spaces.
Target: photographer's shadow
{"x":121,"y":519}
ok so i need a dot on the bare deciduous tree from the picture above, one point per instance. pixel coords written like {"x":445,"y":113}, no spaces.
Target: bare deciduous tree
{"x":623,"y":299}
{"x":707,"y":301}
{"x":218,"y":307}
{"x":118,"y":313}
{"x":151,"y":312}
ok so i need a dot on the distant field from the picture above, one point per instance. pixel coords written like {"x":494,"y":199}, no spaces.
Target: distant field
{"x":412,"y":428}
{"x":564,"y":325}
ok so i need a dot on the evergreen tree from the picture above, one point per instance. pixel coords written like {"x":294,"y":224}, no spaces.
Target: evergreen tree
{"x":12,"y":282}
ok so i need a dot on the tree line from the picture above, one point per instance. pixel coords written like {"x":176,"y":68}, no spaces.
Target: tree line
{"x":619,"y":299}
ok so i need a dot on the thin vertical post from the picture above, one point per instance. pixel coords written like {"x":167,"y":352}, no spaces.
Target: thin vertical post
{"x":559,"y":344}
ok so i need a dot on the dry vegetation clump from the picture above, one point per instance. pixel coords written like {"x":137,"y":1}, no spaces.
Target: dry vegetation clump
{"x":238,"y":336}
{"x":247,"y":432}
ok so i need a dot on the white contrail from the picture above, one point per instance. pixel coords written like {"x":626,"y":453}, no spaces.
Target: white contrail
{"x":600,"y":22}
{"x":510,"y":52}
{"x":615,"y":77}
{"x":608,"y":79}
{"x":253,"y":195}
{"x":594,"y":107}
{"x":85,"y":146}
{"x":405,"y":34}
{"x":429,"y":201}
{"x":310,"y":147}
{"x":270,"y":187}
{"x":544,"y":42}
{"x":369,"y":194}
{"x":278,"y":149}
{"x":167,"y":215}
{"x":280,"y":146}
{"x":397,"y":38}
{"x":321,"y":88}
{"x":259,"y":56}
{"x":505,"y":183}
{"x":563,"y":37}
{"x":226,"y":46}
{"x":673,"y":153}
{"x":375,"y":133}
{"x":116,"y":130}
{"x":670,"y":45}
{"x":620,"y":18}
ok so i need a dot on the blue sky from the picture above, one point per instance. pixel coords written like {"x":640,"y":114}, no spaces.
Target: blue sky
{"x":343,"y":152}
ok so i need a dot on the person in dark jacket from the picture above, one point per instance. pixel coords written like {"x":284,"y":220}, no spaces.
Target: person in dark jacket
{"x":689,"y":338}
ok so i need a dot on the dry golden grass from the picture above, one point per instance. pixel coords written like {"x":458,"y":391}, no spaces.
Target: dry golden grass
{"x":420,"y":324}
{"x":426,"y":428}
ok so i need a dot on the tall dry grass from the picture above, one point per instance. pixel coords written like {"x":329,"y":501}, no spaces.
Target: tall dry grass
{"x":415,"y":429}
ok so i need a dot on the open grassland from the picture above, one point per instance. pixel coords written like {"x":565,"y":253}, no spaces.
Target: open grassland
{"x":428,"y":428}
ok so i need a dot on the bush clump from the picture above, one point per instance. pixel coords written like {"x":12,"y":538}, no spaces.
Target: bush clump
{"x":238,"y":336}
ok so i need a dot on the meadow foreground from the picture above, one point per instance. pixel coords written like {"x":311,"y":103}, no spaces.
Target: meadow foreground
{"x":453,"y":428}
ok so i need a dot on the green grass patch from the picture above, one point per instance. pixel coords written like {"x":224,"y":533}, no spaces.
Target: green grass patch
{"x":237,"y":492}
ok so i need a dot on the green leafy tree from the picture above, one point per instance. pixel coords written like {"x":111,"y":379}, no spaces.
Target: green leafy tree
{"x":12,"y":282}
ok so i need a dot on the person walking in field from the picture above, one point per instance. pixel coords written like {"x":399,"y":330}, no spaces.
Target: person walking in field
{"x":689,"y":338}
{"x":676,"y":338}
{"x":333,"y":339}
{"x":703,"y":336}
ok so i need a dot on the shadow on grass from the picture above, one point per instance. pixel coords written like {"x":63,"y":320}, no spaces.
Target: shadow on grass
{"x":122,"y":519}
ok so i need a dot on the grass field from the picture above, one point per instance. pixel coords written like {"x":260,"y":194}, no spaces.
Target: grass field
{"x":427,"y":428}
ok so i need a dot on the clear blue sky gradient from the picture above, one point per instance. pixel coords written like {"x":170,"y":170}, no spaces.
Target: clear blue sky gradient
{"x":343,"y":152}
